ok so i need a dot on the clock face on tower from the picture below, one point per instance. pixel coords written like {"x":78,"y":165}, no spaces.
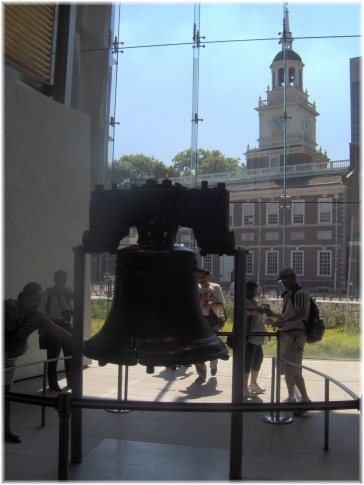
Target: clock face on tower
{"x":277,"y":124}
{"x":307,"y":126}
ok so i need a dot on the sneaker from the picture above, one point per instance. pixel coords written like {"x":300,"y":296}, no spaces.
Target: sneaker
{"x":257,"y":389}
{"x":200,"y":380}
{"x":302,"y":412}
{"x":249,"y":394}
{"x":214,"y":371}
{"x":289,"y":400}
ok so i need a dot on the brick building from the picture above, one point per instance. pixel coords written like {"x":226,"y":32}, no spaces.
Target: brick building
{"x":291,"y":206}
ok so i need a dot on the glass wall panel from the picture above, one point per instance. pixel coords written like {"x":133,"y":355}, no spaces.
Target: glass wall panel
{"x":292,"y":174}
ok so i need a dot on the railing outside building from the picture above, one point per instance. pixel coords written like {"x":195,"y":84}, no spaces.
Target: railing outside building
{"x":237,"y":176}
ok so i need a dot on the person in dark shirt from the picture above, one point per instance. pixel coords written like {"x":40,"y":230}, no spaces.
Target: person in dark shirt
{"x":57,"y":306}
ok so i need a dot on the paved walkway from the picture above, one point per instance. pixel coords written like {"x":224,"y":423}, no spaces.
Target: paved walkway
{"x":151,"y":445}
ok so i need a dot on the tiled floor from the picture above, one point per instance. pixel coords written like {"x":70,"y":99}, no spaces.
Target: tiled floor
{"x":151,"y":445}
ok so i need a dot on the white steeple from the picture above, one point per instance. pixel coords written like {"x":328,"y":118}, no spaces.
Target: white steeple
{"x":286,"y":35}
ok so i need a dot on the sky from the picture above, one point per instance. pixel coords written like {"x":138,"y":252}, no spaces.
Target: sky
{"x":152,"y":101}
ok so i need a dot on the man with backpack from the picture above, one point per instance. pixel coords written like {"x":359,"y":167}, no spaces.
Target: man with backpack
{"x":295,"y":309}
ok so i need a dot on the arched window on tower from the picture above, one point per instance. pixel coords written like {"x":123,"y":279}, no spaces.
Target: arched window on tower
{"x":300,"y":78}
{"x":273,"y":80}
{"x":281,"y":77}
{"x":291,"y":76}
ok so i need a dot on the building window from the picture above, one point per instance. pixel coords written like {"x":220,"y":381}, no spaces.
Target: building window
{"x":324,"y":263}
{"x":28,"y":37}
{"x":325,"y":211}
{"x":231,"y":213}
{"x":249,"y":263}
{"x":273,"y":162}
{"x":207,"y":262}
{"x":298,"y":212}
{"x":272,"y":213}
{"x":297,"y":262}
{"x":248,"y":214}
{"x":271,"y":263}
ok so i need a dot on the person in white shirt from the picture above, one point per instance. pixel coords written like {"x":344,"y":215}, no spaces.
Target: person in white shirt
{"x":295,"y":309}
{"x":211,"y":297}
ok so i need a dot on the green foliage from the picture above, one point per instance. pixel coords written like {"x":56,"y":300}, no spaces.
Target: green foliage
{"x":136,"y":169}
{"x":341,"y":340}
{"x":99,"y":311}
{"x":208,"y":161}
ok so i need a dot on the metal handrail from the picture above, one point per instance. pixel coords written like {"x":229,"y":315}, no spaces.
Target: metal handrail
{"x":64,"y":403}
{"x":36,"y":362}
{"x":326,"y":377}
{"x":44,"y":380}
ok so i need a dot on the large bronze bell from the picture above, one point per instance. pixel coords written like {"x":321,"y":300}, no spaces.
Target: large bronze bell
{"x":155,"y":317}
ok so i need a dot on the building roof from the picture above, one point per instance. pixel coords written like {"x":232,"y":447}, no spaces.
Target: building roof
{"x":290,"y":55}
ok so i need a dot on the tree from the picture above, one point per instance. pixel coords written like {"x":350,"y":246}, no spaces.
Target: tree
{"x":136,"y":169}
{"x":208,"y":161}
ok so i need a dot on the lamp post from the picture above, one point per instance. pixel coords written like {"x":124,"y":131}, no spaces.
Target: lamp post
{"x":195,"y":95}
{"x":285,"y":43}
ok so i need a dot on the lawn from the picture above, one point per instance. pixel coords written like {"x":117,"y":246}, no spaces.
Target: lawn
{"x":341,"y":341}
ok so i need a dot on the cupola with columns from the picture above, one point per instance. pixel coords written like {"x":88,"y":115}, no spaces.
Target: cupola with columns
{"x":300,"y":116}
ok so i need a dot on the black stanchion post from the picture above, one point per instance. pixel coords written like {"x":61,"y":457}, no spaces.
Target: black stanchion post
{"x":64,"y":413}
{"x":77,"y":346}
{"x":279,"y":364}
{"x":126,"y":383}
{"x":276,"y":417}
{"x":327,"y":415}
{"x":273,"y":379}
{"x":236,"y":433}
{"x":120,"y":385}
{"x":45,"y":367}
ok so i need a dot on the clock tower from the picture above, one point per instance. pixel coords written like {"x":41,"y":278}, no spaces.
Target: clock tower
{"x":286,"y":81}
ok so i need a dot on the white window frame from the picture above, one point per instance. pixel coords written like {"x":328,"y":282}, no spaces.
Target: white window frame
{"x":207,"y":262}
{"x":320,"y":263}
{"x":298,"y":271}
{"x":272,"y":210}
{"x":273,"y":271}
{"x":248,"y":212}
{"x":250,"y":263}
{"x":274,"y":162}
{"x":298,"y":210}
{"x":231,"y":214}
{"x":324,"y":208}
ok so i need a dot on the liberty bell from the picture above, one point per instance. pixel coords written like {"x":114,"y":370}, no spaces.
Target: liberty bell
{"x":155,"y":317}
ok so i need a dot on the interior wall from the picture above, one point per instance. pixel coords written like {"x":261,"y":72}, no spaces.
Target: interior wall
{"x":47,"y":193}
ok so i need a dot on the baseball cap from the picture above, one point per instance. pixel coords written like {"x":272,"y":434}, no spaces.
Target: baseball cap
{"x":285,"y":272}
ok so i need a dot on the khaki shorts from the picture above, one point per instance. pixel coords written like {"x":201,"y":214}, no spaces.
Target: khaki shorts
{"x":292,"y":346}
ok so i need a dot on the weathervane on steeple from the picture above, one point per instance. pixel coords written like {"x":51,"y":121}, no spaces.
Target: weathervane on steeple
{"x":286,"y":39}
